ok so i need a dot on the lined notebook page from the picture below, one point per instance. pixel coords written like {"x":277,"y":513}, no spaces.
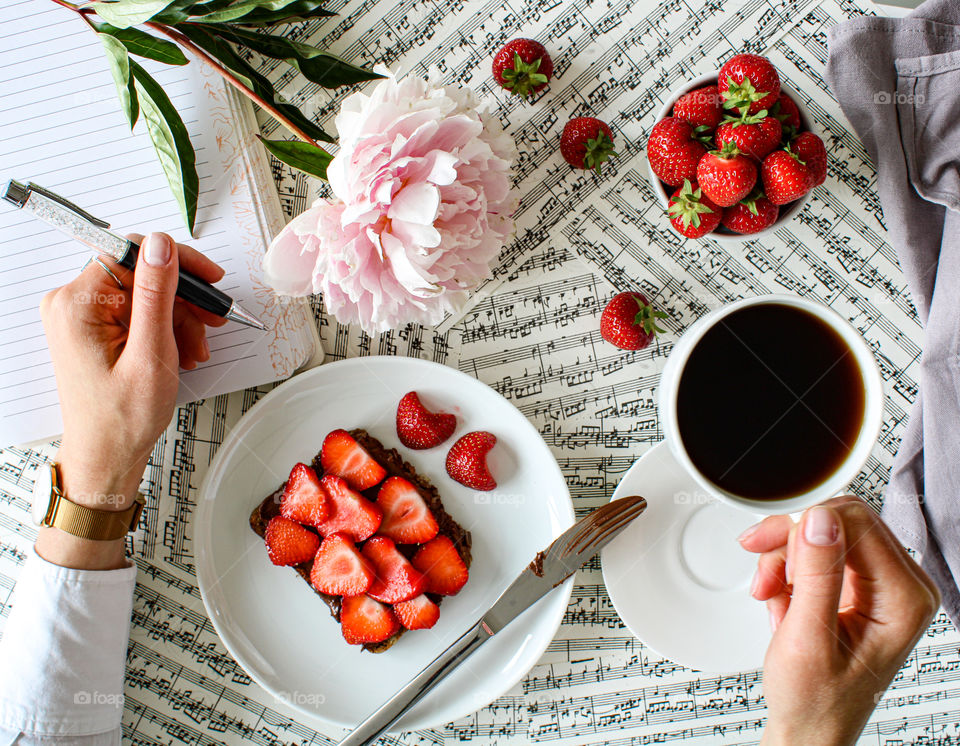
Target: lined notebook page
{"x":63,"y":129}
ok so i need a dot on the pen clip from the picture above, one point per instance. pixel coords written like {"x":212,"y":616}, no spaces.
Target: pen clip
{"x":68,"y":204}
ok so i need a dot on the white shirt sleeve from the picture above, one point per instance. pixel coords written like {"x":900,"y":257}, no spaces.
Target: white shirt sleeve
{"x":63,"y":655}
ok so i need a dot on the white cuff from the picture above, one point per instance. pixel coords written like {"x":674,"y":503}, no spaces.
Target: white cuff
{"x":63,"y":650}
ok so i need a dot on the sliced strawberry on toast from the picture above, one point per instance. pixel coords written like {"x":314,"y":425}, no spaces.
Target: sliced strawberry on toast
{"x":350,"y":512}
{"x":339,"y":569}
{"x":445,"y":571}
{"x":365,"y":621}
{"x":417,"y":613}
{"x":289,"y":543}
{"x":397,"y":580}
{"x":304,"y":500}
{"x":343,"y":456}
{"x":406,"y":517}
{"x":418,"y":427}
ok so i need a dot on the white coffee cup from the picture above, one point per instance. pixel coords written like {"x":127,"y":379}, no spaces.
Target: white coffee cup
{"x":848,"y":469}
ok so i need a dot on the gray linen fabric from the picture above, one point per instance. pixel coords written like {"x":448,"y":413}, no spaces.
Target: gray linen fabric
{"x":898,"y":82}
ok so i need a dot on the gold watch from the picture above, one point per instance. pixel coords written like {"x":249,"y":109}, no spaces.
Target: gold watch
{"x":52,"y":508}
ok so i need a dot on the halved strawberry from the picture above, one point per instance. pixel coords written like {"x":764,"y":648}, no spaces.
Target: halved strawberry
{"x":343,"y":456}
{"x":417,"y":613}
{"x":339,"y":569}
{"x":406,"y":517}
{"x":397,"y":579}
{"x":364,"y":620}
{"x":418,"y":427}
{"x":289,"y":543}
{"x":438,"y":559}
{"x":350,"y":512}
{"x":467,"y":460}
{"x":304,"y":500}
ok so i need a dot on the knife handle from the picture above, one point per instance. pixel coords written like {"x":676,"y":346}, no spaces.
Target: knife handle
{"x":374,"y":726}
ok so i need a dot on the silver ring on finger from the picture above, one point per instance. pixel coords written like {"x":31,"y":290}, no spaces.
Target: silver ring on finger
{"x":105,"y":268}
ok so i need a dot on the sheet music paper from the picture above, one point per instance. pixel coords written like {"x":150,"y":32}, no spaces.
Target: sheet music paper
{"x":534,"y":338}
{"x":63,"y":129}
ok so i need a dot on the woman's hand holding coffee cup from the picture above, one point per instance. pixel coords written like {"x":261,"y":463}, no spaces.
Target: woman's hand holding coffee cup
{"x":847,"y":605}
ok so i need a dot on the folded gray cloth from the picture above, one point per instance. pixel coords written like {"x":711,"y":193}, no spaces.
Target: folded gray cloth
{"x":898,"y":82}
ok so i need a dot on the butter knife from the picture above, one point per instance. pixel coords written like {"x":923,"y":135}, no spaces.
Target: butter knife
{"x":548,"y":569}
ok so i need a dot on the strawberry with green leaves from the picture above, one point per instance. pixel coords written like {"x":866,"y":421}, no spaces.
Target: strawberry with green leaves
{"x":692,"y":213}
{"x":788,"y":113}
{"x":754,"y":135}
{"x":785,"y":177}
{"x":752,"y":214}
{"x":587,"y":142}
{"x":700,"y":107}
{"x":748,"y":81}
{"x":629,"y":322}
{"x":726,"y":176}
{"x":811,"y":150}
{"x":523,"y":67}
{"x":674,"y":148}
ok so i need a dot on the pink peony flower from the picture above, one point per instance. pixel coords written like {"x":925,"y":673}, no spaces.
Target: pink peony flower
{"x":422,"y":207}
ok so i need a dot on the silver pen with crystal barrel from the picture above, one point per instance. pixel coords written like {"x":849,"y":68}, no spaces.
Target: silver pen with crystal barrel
{"x":70,"y":219}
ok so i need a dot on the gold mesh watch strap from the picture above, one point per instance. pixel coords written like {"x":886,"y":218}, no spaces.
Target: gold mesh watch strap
{"x":90,"y":523}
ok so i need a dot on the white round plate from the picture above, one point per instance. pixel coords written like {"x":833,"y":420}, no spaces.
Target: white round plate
{"x":281,"y":632}
{"x":677,"y":576}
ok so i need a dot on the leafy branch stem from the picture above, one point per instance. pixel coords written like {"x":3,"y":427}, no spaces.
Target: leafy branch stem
{"x":183,"y":41}
{"x":231,"y":79}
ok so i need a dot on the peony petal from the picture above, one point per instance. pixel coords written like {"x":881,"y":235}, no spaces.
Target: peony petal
{"x":416,"y":203}
{"x":289,"y":260}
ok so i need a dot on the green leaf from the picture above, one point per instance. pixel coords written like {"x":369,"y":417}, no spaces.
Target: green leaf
{"x":127,"y":13}
{"x":143,"y":44}
{"x":252,"y":79}
{"x":171,"y":142}
{"x":120,"y":69}
{"x":237,"y":10}
{"x":299,"y":10}
{"x":317,"y":66}
{"x":301,"y":155}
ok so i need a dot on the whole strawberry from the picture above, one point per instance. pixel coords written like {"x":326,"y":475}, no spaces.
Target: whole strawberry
{"x":751,"y":215}
{"x":629,"y":321}
{"x":701,"y":107}
{"x":523,"y":67}
{"x":748,"y":81}
{"x":587,"y":143}
{"x":755,"y":135}
{"x":674,"y":148}
{"x":810,"y":149}
{"x":787,"y":111}
{"x":785,"y":177}
{"x":692,"y":213}
{"x":726,"y":176}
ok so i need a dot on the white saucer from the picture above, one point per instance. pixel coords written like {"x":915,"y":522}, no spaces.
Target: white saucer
{"x":677,"y":576}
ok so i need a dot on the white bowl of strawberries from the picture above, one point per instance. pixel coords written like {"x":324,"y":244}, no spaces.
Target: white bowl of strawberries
{"x":733,"y":162}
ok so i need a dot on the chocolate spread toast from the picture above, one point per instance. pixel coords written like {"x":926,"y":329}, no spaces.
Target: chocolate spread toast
{"x":395,"y":466}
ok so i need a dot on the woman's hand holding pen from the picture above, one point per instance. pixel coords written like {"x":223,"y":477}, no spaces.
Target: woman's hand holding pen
{"x":116,"y":354}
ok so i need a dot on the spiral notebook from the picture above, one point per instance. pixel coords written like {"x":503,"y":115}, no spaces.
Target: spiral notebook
{"x":63,"y":129}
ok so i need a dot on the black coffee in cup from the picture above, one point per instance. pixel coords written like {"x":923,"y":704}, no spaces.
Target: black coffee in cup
{"x":770,"y":402}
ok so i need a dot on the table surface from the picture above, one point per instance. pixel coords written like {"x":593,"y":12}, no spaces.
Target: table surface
{"x":533,"y":336}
